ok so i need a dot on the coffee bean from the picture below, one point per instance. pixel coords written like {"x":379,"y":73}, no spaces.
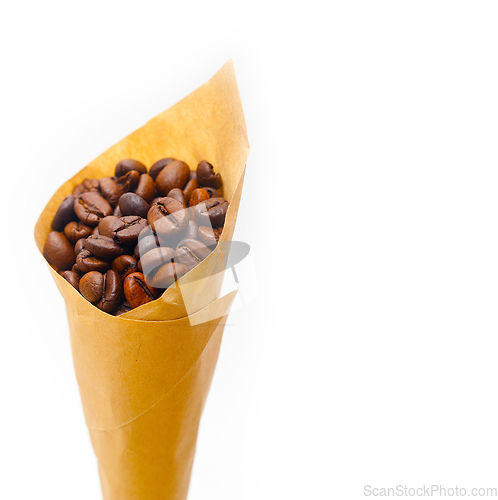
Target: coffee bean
{"x":191,"y":233}
{"x":136,"y":290}
{"x":103,"y":246}
{"x":86,"y":262}
{"x":64,"y":215}
{"x":168,"y":217}
{"x":129,"y":181}
{"x":91,"y":184}
{"x":211,"y":212}
{"x":58,"y":251}
{"x":146,"y":187}
{"x":72,"y":278}
{"x":91,"y":207}
{"x":128,"y":165}
{"x":79,"y":246}
{"x":111,"y":190}
{"x":177,"y":194}
{"x":191,"y":252}
{"x":206,"y":175}
{"x":167,"y":275}
{"x":105,"y":225}
{"x":189,"y":188}
{"x":79,"y":189}
{"x":127,"y":229}
{"x":154,"y":259}
{"x":209,"y":235}
{"x":92,"y":286}
{"x":147,"y":241}
{"x":193,"y":175}
{"x":117,"y":212}
{"x":158,"y":166}
{"x":124,"y":265}
{"x":175,"y":175}
{"x":76,"y":230}
{"x":132,"y":204}
{"x":198,"y":196}
{"x":112,"y":293}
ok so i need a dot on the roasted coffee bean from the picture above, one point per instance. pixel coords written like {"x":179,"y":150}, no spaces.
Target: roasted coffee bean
{"x":91,"y":184}
{"x":132,"y":204}
{"x":128,"y":165}
{"x":211,"y":212}
{"x":209,"y":236}
{"x":158,"y":166}
{"x":124,"y":265}
{"x":213,"y":193}
{"x":72,"y":278}
{"x":117,"y":212}
{"x":193,"y":175}
{"x":64,"y":215}
{"x":147,"y":241}
{"x":146,"y":187}
{"x":103,"y":246}
{"x":112,"y":293}
{"x":191,"y":252}
{"x":76,"y":270}
{"x":167,"y":275}
{"x":86,"y":262}
{"x":76,"y":230}
{"x":79,"y":246}
{"x":198,"y":196}
{"x":58,"y":251}
{"x":129,"y":181}
{"x":111,"y":190}
{"x":188,"y":189}
{"x":91,"y":207}
{"x":127,"y":229}
{"x":168,"y":217}
{"x":92,"y":286}
{"x":206,"y":175}
{"x":191,"y":233}
{"x":136,"y":290}
{"x":154,"y":259}
{"x":177,"y":194}
{"x":105,"y":225}
{"x":174,"y":175}
{"x":95,"y":231}
{"x":123,"y":308}
{"x":79,"y":189}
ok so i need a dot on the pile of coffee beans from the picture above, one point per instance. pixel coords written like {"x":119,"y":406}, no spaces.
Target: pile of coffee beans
{"x":122,"y":240}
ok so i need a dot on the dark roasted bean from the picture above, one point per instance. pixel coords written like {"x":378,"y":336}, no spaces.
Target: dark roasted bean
{"x":124,"y":265}
{"x":86,"y":262}
{"x":213,"y":193}
{"x":112,"y":293}
{"x":167,"y":275}
{"x":129,"y":181}
{"x":79,"y":246}
{"x":136,"y":290}
{"x":127,"y":165}
{"x":76,"y":230}
{"x":127,"y":229}
{"x":211,"y":212}
{"x":177,"y":194}
{"x":146,"y":187}
{"x":189,"y":188}
{"x":209,"y":236}
{"x":92,"y":286}
{"x":64,"y":215}
{"x":111,"y":190}
{"x":91,"y":207}
{"x":191,"y":232}
{"x":168,"y":217}
{"x":174,"y":175}
{"x":58,"y":251}
{"x":105,"y":225}
{"x":191,"y":252}
{"x":158,"y":166}
{"x":103,"y":246}
{"x":154,"y":259}
{"x":206,"y":175}
{"x":132,"y":204}
{"x":198,"y":196}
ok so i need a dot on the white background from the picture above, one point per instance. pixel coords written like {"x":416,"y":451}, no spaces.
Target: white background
{"x":369,"y":353}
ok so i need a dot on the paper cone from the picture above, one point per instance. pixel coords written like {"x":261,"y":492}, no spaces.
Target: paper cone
{"x":144,"y":376}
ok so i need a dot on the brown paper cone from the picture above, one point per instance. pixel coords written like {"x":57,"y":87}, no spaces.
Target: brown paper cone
{"x":207,"y":125}
{"x":144,"y":376}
